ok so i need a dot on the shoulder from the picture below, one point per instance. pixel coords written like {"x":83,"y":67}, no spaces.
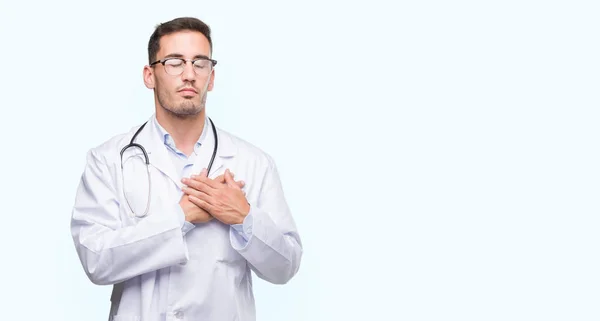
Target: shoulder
{"x":108,"y":151}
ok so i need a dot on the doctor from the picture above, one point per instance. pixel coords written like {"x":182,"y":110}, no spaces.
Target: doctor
{"x":175,"y":228}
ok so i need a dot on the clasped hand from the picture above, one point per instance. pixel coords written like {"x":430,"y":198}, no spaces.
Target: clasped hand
{"x":221,"y":198}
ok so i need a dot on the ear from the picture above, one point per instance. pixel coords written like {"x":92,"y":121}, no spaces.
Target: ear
{"x":212,"y":80}
{"x":149,"y":77}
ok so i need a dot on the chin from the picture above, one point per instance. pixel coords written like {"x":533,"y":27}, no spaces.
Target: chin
{"x":183,"y":107}
{"x":187,"y":110}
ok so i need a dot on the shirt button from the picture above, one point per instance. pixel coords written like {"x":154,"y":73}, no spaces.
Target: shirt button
{"x":179,"y":315}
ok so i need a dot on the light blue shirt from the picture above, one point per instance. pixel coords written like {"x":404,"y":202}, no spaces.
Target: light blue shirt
{"x":184,"y":163}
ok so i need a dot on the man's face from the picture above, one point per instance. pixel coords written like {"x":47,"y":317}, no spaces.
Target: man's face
{"x":181,"y":90}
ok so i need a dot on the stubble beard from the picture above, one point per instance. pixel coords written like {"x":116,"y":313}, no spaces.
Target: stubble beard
{"x":186,"y":109}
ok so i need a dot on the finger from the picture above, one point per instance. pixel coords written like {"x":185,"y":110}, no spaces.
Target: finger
{"x":202,"y":204}
{"x":206,"y":181}
{"x":230,"y":173}
{"x":220,"y":179}
{"x":204,"y":172}
{"x":209,"y":182}
{"x":229,"y":179}
{"x":199,"y":183}
{"x":197,"y":194}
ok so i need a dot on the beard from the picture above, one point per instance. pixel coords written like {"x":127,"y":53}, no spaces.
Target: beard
{"x":181,"y":107}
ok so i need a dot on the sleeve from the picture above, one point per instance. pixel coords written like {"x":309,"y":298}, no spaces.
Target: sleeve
{"x":268,"y":238}
{"x":111,"y":253}
{"x":243,"y":231}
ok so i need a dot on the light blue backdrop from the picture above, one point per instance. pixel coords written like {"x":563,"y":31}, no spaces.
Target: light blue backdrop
{"x":441,"y":158}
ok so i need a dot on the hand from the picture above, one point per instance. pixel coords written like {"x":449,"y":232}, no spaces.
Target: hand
{"x":195,"y":214}
{"x":192,"y":212}
{"x":225,"y":202}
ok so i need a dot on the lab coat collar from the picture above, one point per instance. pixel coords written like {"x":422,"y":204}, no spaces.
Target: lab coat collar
{"x":226,"y":149}
{"x":153,"y":142}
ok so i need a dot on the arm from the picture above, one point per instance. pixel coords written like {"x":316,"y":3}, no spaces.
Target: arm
{"x":264,"y":233}
{"x":111,"y":253}
{"x":268,"y":238}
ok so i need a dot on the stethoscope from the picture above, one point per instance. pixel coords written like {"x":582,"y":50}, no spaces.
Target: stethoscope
{"x":147,"y":162}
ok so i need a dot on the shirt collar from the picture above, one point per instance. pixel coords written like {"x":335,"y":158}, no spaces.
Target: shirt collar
{"x":168,"y":140}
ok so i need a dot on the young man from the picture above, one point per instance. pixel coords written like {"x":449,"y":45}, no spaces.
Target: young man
{"x":163,"y":220}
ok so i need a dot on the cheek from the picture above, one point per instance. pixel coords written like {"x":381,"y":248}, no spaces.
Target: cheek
{"x":164,"y":89}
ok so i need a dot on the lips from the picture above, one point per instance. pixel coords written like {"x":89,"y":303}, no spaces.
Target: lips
{"x":188,"y":90}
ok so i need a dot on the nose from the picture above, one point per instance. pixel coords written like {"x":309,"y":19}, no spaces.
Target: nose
{"x":188,"y":73}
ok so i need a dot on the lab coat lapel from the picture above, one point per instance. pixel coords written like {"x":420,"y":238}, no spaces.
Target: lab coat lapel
{"x":225,"y":149}
{"x":152,"y":141}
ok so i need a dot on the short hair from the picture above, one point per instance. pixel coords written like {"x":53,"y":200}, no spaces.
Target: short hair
{"x":175,"y":25}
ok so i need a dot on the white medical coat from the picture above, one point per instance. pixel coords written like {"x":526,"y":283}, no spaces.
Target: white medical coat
{"x":161,"y":271}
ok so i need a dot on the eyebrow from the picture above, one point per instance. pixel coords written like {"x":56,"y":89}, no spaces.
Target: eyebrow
{"x":178,"y":55}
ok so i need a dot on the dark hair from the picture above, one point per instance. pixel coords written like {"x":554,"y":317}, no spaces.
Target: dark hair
{"x":178,"y":24}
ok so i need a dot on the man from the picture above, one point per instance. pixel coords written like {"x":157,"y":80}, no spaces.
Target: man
{"x":177,"y":241}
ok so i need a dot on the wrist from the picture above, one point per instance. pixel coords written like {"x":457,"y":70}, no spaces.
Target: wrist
{"x":243,"y":214}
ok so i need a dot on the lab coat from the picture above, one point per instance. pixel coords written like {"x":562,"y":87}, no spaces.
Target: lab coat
{"x":159,"y":268}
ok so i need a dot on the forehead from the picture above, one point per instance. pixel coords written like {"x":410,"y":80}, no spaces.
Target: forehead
{"x":186,"y":43}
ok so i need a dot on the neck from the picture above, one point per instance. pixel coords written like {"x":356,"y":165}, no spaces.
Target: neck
{"x":185,"y":130}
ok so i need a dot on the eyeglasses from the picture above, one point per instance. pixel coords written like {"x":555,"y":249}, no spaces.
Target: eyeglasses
{"x":175,"y":66}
